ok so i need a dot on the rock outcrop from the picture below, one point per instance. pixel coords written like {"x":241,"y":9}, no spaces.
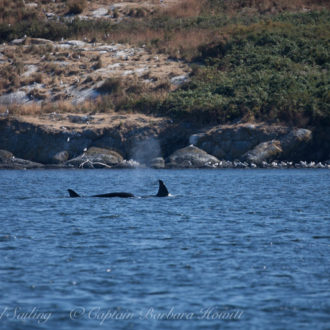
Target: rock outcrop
{"x":254,"y":143}
{"x":96,"y":158}
{"x":192,"y":157}
{"x":232,"y":142}
{"x":157,"y":163}
{"x":286,"y":148}
{"x":130,"y":141}
{"x":9,"y":161}
{"x":264,"y":151}
{"x":60,"y":157}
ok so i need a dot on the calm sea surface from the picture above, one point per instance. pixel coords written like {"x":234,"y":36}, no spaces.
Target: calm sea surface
{"x":236,"y":249}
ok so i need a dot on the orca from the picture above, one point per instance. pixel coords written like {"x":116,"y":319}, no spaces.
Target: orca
{"x":162,"y":192}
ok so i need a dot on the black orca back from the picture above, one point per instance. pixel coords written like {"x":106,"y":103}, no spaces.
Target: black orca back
{"x":162,"y":192}
{"x":115,"y":194}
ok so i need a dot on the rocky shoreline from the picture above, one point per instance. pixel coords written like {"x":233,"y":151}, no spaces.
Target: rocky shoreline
{"x":137,"y":141}
{"x":14,"y":163}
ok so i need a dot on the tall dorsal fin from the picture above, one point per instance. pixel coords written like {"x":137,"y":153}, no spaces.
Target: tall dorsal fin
{"x":73,"y":193}
{"x":162,"y":190}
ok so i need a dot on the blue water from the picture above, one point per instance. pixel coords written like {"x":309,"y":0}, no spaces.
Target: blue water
{"x":229,"y":249}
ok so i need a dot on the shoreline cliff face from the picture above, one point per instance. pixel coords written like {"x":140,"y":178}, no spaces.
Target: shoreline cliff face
{"x":111,"y":140}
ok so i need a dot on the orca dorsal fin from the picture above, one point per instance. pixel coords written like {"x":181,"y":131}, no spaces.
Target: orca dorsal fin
{"x":73,"y":193}
{"x":162,"y":190}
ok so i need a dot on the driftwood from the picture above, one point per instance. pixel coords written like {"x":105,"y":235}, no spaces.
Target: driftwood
{"x":92,"y":164}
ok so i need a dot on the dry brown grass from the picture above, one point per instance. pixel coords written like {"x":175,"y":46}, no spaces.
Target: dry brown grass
{"x":36,"y":109}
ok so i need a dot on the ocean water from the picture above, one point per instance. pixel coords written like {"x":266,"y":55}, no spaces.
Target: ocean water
{"x":229,"y":249}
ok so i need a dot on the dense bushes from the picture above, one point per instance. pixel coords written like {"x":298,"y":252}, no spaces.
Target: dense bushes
{"x":274,"y":71}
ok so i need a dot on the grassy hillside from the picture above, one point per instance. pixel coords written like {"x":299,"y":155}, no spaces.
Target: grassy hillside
{"x":250,"y":59}
{"x":274,"y":69}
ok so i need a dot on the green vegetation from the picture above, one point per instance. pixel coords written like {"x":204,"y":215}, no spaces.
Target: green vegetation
{"x":272,"y":70}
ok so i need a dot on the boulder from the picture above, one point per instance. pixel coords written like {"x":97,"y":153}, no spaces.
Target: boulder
{"x":61,"y":157}
{"x":5,"y":156}
{"x":129,"y":164}
{"x":9,"y":161}
{"x":19,"y":163}
{"x":96,"y":157}
{"x":225,"y":164}
{"x":100,"y":12}
{"x":79,"y":119}
{"x":263,"y":152}
{"x":40,"y":41}
{"x":194,"y":138}
{"x":18,"y":41}
{"x":233,"y":141}
{"x":192,"y":157}
{"x":295,"y":142}
{"x":289,"y":146}
{"x":157,"y":163}
{"x":18,"y":97}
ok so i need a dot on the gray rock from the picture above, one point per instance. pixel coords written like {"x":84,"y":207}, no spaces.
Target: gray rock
{"x":294,"y":142}
{"x":319,"y":165}
{"x":61,"y":157}
{"x":225,"y":164}
{"x":18,"y":41}
{"x":179,"y":80}
{"x":5,"y":156}
{"x":31,"y":5}
{"x":274,"y":164}
{"x":25,"y":164}
{"x":76,"y":43}
{"x":9,"y":161}
{"x":129,"y":164}
{"x":283,"y":164}
{"x":100,"y":12}
{"x":41,"y":41}
{"x":51,"y":15}
{"x":96,"y":157}
{"x":264,"y":151}
{"x":157,"y":163}
{"x":264,"y":164}
{"x":79,"y":119}
{"x":232,"y":142}
{"x":238,"y":164}
{"x":303,"y":164}
{"x":193,"y":139}
{"x":18,"y":97}
{"x":191,"y":157}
